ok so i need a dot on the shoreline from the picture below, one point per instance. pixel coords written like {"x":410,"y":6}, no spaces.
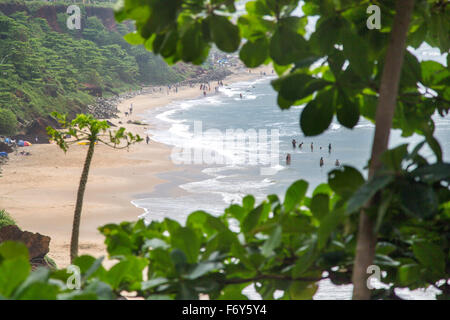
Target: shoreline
{"x":39,"y":191}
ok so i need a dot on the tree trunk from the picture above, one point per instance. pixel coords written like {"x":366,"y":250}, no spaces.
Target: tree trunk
{"x":365,"y":248}
{"x":79,"y":204}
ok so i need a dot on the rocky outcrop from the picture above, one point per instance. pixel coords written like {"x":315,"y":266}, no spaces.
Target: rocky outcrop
{"x":37,"y":128}
{"x":37,"y":244}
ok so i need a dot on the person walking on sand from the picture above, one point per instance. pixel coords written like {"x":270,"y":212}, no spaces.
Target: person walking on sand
{"x":288,"y":159}
{"x":131,"y":109}
{"x":294,"y":143}
{"x":321,"y":162}
{"x":312,"y":147}
{"x":147,"y":139}
{"x":337,"y":164}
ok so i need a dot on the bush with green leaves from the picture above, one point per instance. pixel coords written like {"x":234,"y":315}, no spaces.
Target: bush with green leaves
{"x":5,"y":219}
{"x":18,"y":282}
{"x":287,"y":246}
{"x":341,"y":69}
{"x":85,"y":128}
{"x":8,"y":122}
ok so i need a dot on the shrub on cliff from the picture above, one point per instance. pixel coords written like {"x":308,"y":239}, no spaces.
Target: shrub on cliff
{"x":5,"y":219}
{"x":8,"y":122}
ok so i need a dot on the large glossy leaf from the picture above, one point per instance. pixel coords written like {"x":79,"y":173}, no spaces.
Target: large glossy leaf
{"x":287,"y":46}
{"x":272,"y":242}
{"x":224,"y":34}
{"x":367,"y":191}
{"x":347,"y":110}
{"x":419,"y":199}
{"x":345,"y":181}
{"x":320,"y":205}
{"x":187,"y":240}
{"x":295,"y":194}
{"x":430,"y":255}
{"x":254,"y":53}
{"x":318,"y":113}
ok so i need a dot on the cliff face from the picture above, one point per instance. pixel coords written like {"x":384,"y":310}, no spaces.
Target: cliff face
{"x":49,"y":13}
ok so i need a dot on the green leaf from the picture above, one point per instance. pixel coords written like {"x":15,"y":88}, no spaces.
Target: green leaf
{"x":318,"y":113}
{"x":254,"y":53}
{"x":393,"y":158}
{"x":357,"y":52}
{"x":408,"y":274}
{"x":13,"y":272}
{"x":320,"y":205}
{"x":127,"y":272}
{"x":224,"y":34}
{"x":192,"y":44}
{"x":433,"y":173}
{"x":419,"y":200}
{"x":347,"y":111}
{"x":134,"y":38}
{"x":13,"y":250}
{"x":287,"y":47}
{"x":327,"y":225}
{"x":272,"y":242}
{"x":295,"y":194}
{"x":430,"y":256}
{"x":345,"y":180}
{"x":296,"y":86}
{"x":327,"y":34}
{"x":187,"y":241}
{"x":367,"y":191}
{"x":301,"y":290}
{"x":149,"y":284}
{"x":252,"y":219}
{"x":201,"y":269}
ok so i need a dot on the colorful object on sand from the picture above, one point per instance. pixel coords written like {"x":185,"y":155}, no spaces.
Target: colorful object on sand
{"x":26,"y":144}
{"x":84,"y":143}
{"x":3,"y":155}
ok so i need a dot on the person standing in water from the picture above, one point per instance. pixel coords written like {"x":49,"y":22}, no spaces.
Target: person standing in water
{"x":329,"y":148}
{"x":321,"y":162}
{"x":337,"y":164}
{"x":294,"y":143}
{"x":300,"y":145}
{"x":288,"y":159}
{"x":312,"y":147}
{"x":240,"y":94}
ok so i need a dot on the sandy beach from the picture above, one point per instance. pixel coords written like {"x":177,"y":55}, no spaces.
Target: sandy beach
{"x":39,"y":191}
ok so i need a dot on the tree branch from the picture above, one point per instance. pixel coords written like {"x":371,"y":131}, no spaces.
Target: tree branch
{"x":365,"y":249}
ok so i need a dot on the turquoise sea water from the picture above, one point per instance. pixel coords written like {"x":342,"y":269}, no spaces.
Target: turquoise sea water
{"x":212,"y":187}
{"x":197,"y":131}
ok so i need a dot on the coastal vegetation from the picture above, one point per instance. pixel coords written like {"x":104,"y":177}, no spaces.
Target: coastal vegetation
{"x":396,"y":219}
{"x":43,"y":69}
{"x":86,"y":129}
{"x":5,"y":219}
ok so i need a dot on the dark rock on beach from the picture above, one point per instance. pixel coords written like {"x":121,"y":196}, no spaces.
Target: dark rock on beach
{"x":37,"y":244}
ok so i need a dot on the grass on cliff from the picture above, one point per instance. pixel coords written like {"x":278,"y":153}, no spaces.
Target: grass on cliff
{"x":5,"y":219}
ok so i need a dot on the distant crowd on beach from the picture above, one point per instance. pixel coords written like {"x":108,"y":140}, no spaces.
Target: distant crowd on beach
{"x":300,"y":146}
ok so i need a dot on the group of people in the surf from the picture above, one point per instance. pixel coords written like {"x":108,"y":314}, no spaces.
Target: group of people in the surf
{"x":300,"y":146}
